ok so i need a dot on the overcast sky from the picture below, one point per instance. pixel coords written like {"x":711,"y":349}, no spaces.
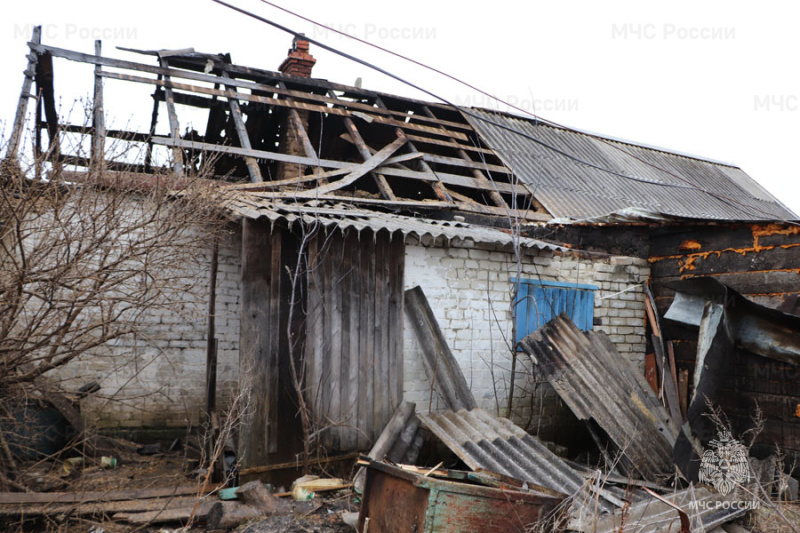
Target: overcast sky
{"x":715,"y":79}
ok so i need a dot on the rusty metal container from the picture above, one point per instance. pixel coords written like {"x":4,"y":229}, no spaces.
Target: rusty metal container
{"x":396,"y":500}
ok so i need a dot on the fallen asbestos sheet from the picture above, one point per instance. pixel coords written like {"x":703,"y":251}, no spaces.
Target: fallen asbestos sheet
{"x":600,"y":386}
{"x":486,"y":442}
{"x":440,"y":364}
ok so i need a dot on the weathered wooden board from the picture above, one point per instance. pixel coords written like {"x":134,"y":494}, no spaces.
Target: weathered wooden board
{"x":354,"y":351}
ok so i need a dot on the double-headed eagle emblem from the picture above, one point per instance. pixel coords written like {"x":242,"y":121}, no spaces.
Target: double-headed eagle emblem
{"x":725,"y":465}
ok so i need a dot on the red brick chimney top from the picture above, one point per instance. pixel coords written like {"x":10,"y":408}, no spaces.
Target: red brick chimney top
{"x":298,"y":62}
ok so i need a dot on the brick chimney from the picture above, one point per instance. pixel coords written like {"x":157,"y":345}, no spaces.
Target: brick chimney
{"x":298,"y":62}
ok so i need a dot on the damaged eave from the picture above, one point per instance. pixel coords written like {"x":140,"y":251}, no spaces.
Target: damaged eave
{"x":758,"y":329}
{"x":346,"y":217}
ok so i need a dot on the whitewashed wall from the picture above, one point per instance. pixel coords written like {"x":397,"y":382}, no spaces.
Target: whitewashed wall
{"x":469,"y":289}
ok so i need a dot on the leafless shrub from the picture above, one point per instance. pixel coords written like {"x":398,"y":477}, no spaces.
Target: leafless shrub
{"x":85,"y":259}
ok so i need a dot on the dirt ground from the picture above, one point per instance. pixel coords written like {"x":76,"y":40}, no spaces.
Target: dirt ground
{"x":168,"y":469}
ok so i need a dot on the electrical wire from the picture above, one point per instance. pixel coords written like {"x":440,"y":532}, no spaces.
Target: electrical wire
{"x":690,"y":185}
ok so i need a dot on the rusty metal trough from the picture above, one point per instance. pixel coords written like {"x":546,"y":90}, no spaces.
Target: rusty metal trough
{"x":396,"y":500}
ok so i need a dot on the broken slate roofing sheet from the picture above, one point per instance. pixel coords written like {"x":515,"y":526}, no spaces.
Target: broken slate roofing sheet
{"x":483,"y":441}
{"x":598,"y":384}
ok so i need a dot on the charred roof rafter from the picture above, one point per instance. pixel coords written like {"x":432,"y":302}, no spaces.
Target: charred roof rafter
{"x":353,"y":145}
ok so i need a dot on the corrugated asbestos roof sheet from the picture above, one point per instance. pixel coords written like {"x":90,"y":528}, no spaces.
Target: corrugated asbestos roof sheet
{"x":598,"y":384}
{"x":658,"y":181}
{"x":484,"y":441}
{"x":343,"y":216}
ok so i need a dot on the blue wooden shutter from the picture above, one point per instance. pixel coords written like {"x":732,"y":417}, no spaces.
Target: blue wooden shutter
{"x":538,"y":302}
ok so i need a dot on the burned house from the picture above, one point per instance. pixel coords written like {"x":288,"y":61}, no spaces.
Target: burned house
{"x":343,"y":199}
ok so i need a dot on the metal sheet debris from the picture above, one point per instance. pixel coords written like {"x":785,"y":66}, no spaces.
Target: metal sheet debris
{"x":761,"y":330}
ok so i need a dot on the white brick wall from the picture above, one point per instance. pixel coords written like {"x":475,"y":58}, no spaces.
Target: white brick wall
{"x":470,"y":292}
{"x":158,"y":378}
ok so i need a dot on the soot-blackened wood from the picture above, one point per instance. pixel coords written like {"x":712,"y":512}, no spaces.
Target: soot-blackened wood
{"x":443,"y":369}
{"x":727,"y":261}
{"x":258,"y":333}
{"x":681,"y":239}
{"x":45,"y":77}
{"x":752,"y":283}
{"x":148,"y":156}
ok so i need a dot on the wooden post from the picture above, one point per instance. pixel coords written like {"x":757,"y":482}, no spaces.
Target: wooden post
{"x":148,"y":157}
{"x":259,"y":336}
{"x":25,"y":94}
{"x":241,"y":131}
{"x":212,"y":428}
{"x":174,"y":126}
{"x":98,"y":117}
{"x":211,"y":344}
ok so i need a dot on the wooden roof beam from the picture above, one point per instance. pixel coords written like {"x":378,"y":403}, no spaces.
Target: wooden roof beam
{"x":482,"y":179}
